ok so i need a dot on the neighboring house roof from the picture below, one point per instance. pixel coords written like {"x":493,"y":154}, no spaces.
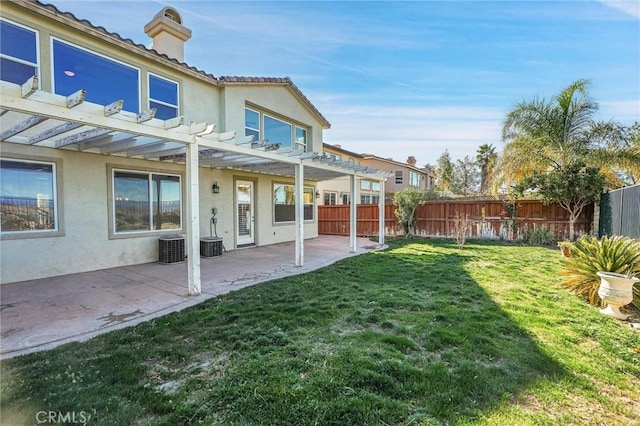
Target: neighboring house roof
{"x":394,"y":162}
{"x":161,"y":57}
{"x":341,"y":150}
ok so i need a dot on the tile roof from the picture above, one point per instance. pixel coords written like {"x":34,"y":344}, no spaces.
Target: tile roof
{"x":286,"y":81}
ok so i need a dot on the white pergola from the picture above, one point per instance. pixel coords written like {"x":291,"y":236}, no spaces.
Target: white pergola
{"x":33,"y":117}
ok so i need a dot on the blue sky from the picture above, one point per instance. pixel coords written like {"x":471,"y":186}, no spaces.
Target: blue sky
{"x":410,"y":77}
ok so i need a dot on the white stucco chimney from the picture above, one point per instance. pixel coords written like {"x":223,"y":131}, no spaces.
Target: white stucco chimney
{"x":168,"y":33}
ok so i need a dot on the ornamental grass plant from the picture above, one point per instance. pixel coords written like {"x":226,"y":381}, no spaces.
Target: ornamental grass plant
{"x":589,"y":255}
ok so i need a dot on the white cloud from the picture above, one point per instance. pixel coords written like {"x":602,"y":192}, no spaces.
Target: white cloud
{"x":625,"y":111}
{"x":630,"y":7}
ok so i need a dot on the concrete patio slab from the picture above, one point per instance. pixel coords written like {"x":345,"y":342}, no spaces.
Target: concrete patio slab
{"x":42,"y":314}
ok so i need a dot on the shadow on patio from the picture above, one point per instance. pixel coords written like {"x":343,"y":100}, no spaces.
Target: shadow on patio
{"x":42,"y":314}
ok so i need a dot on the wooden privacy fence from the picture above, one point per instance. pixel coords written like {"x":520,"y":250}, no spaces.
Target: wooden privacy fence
{"x":489,"y":218}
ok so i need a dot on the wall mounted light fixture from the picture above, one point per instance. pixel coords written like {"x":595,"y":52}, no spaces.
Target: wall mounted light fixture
{"x":215,"y":188}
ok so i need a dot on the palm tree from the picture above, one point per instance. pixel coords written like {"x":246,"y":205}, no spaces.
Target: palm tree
{"x":486,"y":160}
{"x":554,"y":137}
{"x":543,"y":134}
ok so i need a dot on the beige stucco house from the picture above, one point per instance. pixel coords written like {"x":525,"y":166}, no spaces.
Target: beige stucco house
{"x":107,"y":146}
{"x":401,"y":176}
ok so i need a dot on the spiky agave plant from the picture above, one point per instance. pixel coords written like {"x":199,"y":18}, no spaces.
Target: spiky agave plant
{"x":617,"y":254}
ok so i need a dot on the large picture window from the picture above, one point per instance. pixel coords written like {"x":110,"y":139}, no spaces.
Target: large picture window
{"x":277,"y":131}
{"x":274,"y":130}
{"x":163,"y":96}
{"x":284,"y":201}
{"x":28,"y":199}
{"x":146,"y":201}
{"x":18,"y":52}
{"x":104,"y":79}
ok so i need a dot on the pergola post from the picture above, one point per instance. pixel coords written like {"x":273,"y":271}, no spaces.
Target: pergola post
{"x":381,"y":213}
{"x":299,"y":205}
{"x":353,"y":218}
{"x":193,"y":220}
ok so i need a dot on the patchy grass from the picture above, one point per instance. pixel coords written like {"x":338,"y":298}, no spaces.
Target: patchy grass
{"x":419,"y":334}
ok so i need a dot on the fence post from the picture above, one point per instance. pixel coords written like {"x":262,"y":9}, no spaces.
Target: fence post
{"x":446,"y":220}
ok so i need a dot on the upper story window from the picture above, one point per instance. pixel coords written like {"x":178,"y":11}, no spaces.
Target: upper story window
{"x":414,"y":179}
{"x":18,"y":52}
{"x":301,"y":139}
{"x":146,"y":201}
{"x":274,"y":130}
{"x":365,"y":185}
{"x":277,"y":131}
{"x":399,"y":177}
{"x":163,"y":95}
{"x":28,"y":198}
{"x":252,"y":123}
{"x":104,"y":79}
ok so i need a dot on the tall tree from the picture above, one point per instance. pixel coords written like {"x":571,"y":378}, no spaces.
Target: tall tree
{"x":465,"y":177}
{"x":543,"y":134}
{"x":558,"y":137}
{"x":444,"y":172}
{"x":486,"y":159}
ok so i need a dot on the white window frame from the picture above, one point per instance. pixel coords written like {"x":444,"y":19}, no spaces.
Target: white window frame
{"x":304,"y":189}
{"x":53,"y":79}
{"x":57,"y":217}
{"x":294,"y":144}
{"x":22,"y":61}
{"x":399,"y":177}
{"x":149,"y":231}
{"x":259,"y":129}
{"x":335,"y":198}
{"x":299,"y":145}
{"x":414,"y":179}
{"x":348,"y":198}
{"x":151,"y":99}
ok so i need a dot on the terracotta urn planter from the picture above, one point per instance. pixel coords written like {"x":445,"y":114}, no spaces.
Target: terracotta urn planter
{"x":616,"y":290}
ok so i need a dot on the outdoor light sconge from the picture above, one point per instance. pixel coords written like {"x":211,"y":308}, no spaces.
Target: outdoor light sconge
{"x":215,"y":188}
{"x":317,"y":194}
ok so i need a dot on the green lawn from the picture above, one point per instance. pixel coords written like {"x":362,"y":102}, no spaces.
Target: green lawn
{"x":419,"y":334}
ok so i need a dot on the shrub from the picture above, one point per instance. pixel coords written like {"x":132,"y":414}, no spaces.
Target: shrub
{"x":538,"y":236}
{"x":588,"y":256}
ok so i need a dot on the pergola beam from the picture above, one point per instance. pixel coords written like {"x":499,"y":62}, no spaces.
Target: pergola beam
{"x":55,"y":131}
{"x":30,"y":122}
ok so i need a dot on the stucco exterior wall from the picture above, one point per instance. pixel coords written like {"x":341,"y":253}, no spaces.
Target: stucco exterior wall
{"x":276,"y":100}
{"x":199,"y":98}
{"x":84,"y":202}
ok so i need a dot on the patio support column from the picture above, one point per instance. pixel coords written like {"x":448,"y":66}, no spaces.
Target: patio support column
{"x":381,"y":212}
{"x":353,"y":218}
{"x":193,"y":220}
{"x":299,"y":204}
